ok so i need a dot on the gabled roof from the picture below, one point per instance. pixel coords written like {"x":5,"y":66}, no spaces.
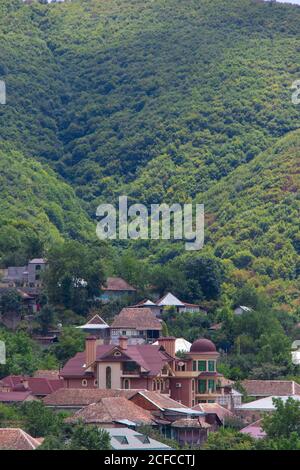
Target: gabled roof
{"x":161,"y":401}
{"x":117,"y":284}
{"x":214,"y":408}
{"x":112,"y":409}
{"x":39,"y":386}
{"x":14,"y":397}
{"x":137,"y":318}
{"x":149,"y":357}
{"x":190,"y":423}
{"x":254,"y":430}
{"x":94,"y":323}
{"x":17,"y":439}
{"x":169,"y":300}
{"x":264,"y":388}
{"x":79,"y":397}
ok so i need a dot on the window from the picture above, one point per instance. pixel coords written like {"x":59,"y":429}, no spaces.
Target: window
{"x":124,"y":333}
{"x":108,"y":377}
{"x":121,"y":439}
{"x":211,"y":366}
{"x":84,"y":383}
{"x":211,"y":385}
{"x":201,"y":366}
{"x":95,"y":382}
{"x":193,"y":385}
{"x":127,"y":384}
{"x":193,"y":402}
{"x":201,"y":386}
{"x":117,"y":354}
{"x":194,"y":366}
{"x":38,"y":267}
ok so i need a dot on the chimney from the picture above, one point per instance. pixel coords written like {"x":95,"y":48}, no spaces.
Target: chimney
{"x":168,"y":343}
{"x":25,"y":383}
{"x":90,"y":349}
{"x":123,"y":341}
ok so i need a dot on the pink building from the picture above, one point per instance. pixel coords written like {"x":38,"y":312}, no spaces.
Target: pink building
{"x":189,"y":381}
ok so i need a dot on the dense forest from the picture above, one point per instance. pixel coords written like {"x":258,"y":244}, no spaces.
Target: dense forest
{"x":163,"y":101}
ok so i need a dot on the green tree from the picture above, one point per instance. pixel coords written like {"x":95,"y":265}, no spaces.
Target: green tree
{"x":73,"y":276}
{"x":284,"y":421}
{"x":89,"y":438}
{"x":229,"y":439}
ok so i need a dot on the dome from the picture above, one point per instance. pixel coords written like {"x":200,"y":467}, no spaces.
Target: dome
{"x":203,"y":346}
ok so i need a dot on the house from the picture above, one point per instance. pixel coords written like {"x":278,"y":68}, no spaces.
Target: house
{"x":169,"y":300}
{"x":174,"y":420}
{"x":113,"y":412}
{"x":195,"y":377}
{"x":241,"y":309}
{"x":139,"y":325}
{"x":215,"y":414}
{"x":29,"y":275}
{"x":254,"y":430}
{"x":148,"y":304}
{"x":264,"y":388}
{"x":253,"y":411}
{"x":116,"y":288}
{"x":189,"y":381}
{"x":73,"y":399}
{"x":118,"y":366}
{"x":97,"y":327}
{"x":10,"y":398}
{"x":17,"y":439}
{"x":39,"y":387}
{"x":128,"y":439}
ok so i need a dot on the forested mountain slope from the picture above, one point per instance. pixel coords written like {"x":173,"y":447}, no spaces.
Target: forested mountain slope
{"x":155,"y":99}
{"x":165,"y":101}
{"x":36,"y":208}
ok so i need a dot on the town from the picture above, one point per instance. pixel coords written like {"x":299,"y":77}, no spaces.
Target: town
{"x":142,"y":387}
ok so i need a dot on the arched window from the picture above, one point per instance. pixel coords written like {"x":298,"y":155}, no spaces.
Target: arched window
{"x":84,"y":383}
{"x":108,"y":377}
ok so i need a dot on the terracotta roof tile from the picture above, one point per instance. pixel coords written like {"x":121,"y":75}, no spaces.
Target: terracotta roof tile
{"x":39,"y":386}
{"x":214,"y":408}
{"x":161,"y":400}
{"x":13,"y":397}
{"x":137,"y":318}
{"x":265,"y":388}
{"x":17,"y":439}
{"x":117,"y":284}
{"x":111,"y":409}
{"x":149,"y":357}
{"x":82,"y":397}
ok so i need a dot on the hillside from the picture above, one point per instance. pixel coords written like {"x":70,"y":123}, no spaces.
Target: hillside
{"x":36,"y":208}
{"x":165,"y":101}
{"x":255,"y":219}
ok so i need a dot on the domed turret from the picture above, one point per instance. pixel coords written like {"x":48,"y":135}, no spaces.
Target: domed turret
{"x":203,"y":346}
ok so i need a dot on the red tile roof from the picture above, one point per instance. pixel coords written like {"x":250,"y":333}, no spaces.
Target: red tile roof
{"x":17,"y":439}
{"x":111,"y":409}
{"x":14,"y":397}
{"x":117,"y":284}
{"x":214,"y":408}
{"x":82,"y":397}
{"x":264,"y":388}
{"x":148,"y":356}
{"x":47,"y":374}
{"x":39,"y":386}
{"x":160,"y":400}
{"x":137,"y":318}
